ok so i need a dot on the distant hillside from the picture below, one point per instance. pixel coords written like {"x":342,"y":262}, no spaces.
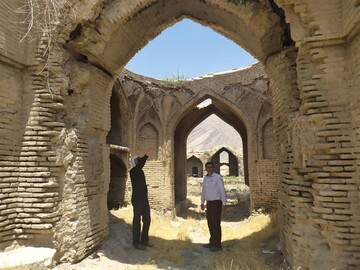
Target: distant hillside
{"x":213,"y":132}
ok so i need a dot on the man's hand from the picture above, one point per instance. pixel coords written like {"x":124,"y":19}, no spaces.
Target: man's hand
{"x":148,"y":150}
{"x":223,"y":208}
{"x":202,"y":207}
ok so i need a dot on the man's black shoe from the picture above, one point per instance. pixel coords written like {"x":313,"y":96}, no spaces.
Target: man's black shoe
{"x":148,"y":245}
{"x":207,"y":246}
{"x":141,"y":247}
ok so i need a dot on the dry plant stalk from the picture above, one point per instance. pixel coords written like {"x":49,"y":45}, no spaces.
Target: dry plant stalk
{"x":41,"y":19}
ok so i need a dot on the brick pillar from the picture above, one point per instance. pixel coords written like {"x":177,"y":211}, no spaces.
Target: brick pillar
{"x":83,"y":157}
{"x":319,"y":190}
{"x":281,"y":69}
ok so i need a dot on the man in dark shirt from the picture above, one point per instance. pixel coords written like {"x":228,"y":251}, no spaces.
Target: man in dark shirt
{"x":140,"y":202}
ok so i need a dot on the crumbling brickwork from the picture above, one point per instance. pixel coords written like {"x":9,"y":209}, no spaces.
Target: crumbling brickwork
{"x":319,"y":184}
{"x":55,"y":105}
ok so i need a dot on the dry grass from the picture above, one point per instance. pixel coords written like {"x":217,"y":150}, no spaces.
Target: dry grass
{"x":16,"y":268}
{"x":243,"y":244}
{"x":162,"y":229}
{"x":242,"y":241}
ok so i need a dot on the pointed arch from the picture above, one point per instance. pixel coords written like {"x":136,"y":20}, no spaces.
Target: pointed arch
{"x":120,"y":118}
{"x":185,"y":124}
{"x":231,"y":162}
{"x":148,"y":137}
{"x":262,"y":35}
{"x":268,"y":140}
{"x":265,"y":135}
{"x":194,"y":166}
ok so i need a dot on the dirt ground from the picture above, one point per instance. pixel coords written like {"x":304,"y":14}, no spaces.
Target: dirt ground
{"x":250,"y":241}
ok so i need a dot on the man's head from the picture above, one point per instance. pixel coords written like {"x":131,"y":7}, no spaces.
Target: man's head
{"x":209,"y":167}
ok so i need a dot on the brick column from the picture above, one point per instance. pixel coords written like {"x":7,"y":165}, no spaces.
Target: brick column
{"x":83,"y":155}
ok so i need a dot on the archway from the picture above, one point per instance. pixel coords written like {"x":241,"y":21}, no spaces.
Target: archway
{"x":117,"y":185}
{"x":268,"y":141}
{"x":89,"y":49}
{"x":184,"y":127}
{"x":97,"y":45}
{"x":110,"y":28}
{"x":120,"y":119}
{"x":224,"y":157}
{"x":194,"y":167}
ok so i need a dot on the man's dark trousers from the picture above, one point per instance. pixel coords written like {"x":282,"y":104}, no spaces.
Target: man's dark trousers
{"x":213,"y":216}
{"x":141,"y":210}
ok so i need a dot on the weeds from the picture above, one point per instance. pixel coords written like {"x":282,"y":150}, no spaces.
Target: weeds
{"x":41,"y":19}
{"x":40,"y":16}
{"x":176,"y":78}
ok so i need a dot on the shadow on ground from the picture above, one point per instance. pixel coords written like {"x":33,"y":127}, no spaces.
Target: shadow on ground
{"x":256,"y":252}
{"x":166,"y":254}
{"x":233,"y":213}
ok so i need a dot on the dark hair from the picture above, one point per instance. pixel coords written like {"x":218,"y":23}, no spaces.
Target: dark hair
{"x":209,"y":163}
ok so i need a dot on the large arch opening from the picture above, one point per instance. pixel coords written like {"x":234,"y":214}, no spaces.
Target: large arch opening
{"x":187,"y":50}
{"x":154,"y":136}
{"x":216,"y":141}
{"x":185,"y":125}
{"x":231,"y":21}
{"x":107,"y":40}
{"x":233,"y":24}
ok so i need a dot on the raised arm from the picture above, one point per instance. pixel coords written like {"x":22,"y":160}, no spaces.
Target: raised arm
{"x":142,"y":160}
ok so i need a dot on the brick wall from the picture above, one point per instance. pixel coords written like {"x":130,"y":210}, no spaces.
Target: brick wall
{"x":84,"y":160}
{"x":10,"y":124}
{"x":318,"y":192}
{"x":28,"y":185}
{"x":159,"y":187}
{"x":54,"y":155}
{"x":264,"y":191}
{"x":12,"y":30}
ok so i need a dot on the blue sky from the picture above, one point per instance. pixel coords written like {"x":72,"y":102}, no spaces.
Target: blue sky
{"x":188,"y":49}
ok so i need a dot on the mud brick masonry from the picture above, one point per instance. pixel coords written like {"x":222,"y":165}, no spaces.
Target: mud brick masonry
{"x":71,"y":116}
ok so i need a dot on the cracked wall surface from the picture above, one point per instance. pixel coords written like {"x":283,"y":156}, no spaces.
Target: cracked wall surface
{"x":55,"y":105}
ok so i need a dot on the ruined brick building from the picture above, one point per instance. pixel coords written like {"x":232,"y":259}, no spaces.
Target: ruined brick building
{"x":71,"y":116}
{"x":157,"y":113}
{"x":228,"y":160}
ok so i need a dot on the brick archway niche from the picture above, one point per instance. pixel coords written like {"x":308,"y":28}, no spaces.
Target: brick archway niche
{"x":61,"y":136}
{"x":195,"y":166}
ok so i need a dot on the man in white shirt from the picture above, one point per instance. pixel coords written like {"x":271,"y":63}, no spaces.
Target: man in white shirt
{"x":213,"y":192}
